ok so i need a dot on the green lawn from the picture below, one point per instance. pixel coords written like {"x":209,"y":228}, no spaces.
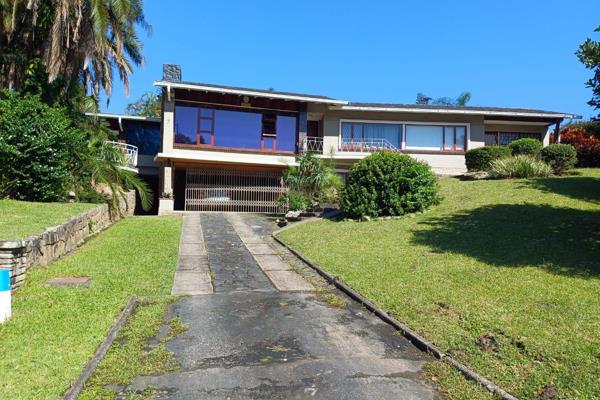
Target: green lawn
{"x":54,"y":332}
{"x":504,"y":275}
{"x":21,"y":219}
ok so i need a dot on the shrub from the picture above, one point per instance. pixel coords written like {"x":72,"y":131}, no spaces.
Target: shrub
{"x":479,"y":159}
{"x":521,"y":166}
{"x":296,"y":201}
{"x":560,"y":157}
{"x":37,"y":147}
{"x":526,"y":146}
{"x":388,"y":183}
{"x":586,"y":142}
{"x":314,"y":178}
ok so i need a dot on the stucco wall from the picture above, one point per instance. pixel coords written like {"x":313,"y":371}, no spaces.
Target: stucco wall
{"x":20,"y":255}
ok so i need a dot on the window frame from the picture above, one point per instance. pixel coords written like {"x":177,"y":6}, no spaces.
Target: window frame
{"x":260,"y":149}
{"x":496,"y":134}
{"x":403,"y":147}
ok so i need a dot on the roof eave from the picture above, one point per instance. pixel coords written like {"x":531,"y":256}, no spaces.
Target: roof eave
{"x":124,"y":117}
{"x":241,"y":92}
{"x":457,"y":111}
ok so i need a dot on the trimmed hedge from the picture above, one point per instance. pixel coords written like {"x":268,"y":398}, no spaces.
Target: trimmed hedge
{"x":388,"y":183}
{"x":526,"y":146}
{"x":479,"y":159}
{"x":561,"y":157}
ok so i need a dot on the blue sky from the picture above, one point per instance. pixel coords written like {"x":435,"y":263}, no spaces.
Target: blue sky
{"x":506,"y":53}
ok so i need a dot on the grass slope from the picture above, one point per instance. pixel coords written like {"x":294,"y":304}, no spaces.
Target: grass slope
{"x":54,"y":331}
{"x":504,"y":275}
{"x":21,"y":219}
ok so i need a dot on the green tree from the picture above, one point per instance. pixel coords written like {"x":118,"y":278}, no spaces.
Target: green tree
{"x":149,"y":105}
{"x":53,"y":45}
{"x":589,"y":54}
{"x":460,"y":101}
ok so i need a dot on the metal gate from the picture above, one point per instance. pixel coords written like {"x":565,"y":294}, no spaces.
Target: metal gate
{"x":209,"y":189}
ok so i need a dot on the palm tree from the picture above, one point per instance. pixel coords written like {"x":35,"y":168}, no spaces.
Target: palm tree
{"x":79,"y":41}
{"x":463,"y":99}
{"x":100,"y":163}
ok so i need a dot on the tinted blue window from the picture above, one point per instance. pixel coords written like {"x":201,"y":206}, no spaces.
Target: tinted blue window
{"x":238,"y":129}
{"x":186,"y":124}
{"x":144,"y":135}
{"x":286,"y":133}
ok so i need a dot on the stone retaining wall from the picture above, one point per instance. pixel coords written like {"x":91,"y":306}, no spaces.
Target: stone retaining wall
{"x":55,"y":242}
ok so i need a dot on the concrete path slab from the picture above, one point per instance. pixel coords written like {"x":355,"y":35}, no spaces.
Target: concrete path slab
{"x":192,"y":276}
{"x":288,"y":281}
{"x":271,"y":262}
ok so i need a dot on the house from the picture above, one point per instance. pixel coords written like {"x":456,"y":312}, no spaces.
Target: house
{"x":224,"y":148}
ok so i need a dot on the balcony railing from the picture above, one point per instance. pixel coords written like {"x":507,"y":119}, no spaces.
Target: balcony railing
{"x":130,"y":154}
{"x":311,"y":145}
{"x":366,"y":145}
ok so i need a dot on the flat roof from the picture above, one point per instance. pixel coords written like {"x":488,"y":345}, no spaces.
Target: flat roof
{"x":273,"y":94}
{"x":124,"y":117}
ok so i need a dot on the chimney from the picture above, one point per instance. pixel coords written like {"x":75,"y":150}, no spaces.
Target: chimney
{"x":172,"y":72}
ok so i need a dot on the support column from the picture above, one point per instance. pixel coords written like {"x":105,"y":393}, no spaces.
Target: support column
{"x":166,"y":203}
{"x":168,"y":121}
{"x":302,"y":128}
{"x":557,"y":131}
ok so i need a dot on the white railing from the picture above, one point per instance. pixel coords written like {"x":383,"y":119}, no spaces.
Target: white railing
{"x":366,"y":145}
{"x":130,"y":153}
{"x":310,"y":144}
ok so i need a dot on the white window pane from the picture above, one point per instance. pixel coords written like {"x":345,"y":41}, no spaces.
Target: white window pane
{"x":461,"y":133}
{"x":424,"y":137}
{"x":449,"y":138}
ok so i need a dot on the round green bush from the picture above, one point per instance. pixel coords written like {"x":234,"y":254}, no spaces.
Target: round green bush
{"x":479,"y":159}
{"x":561,"y":157}
{"x":526,"y":146}
{"x":388,"y":183}
{"x":37,"y":149}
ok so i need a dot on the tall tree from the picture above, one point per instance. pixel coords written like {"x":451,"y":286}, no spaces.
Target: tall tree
{"x":460,"y":101}
{"x":146,"y":106}
{"x":589,"y":54}
{"x":66,"y":43}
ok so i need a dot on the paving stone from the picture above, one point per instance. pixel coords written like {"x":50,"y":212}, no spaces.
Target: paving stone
{"x":260,"y":248}
{"x":191,"y":249}
{"x":288,"y":281}
{"x":271,"y":262}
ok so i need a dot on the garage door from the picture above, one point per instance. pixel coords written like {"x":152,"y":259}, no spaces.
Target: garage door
{"x":209,"y":189}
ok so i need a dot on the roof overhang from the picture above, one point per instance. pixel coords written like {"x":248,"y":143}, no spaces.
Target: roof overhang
{"x":454,"y":111}
{"x":123,"y":117}
{"x":247,"y":92}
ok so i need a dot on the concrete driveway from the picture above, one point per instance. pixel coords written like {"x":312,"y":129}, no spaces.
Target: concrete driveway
{"x":247,"y":339}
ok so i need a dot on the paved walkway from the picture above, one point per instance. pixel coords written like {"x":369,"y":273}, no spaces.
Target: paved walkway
{"x":263,"y":334}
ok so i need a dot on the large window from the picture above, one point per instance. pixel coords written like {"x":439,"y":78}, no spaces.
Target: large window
{"x":372,"y":134}
{"x":144,"y":135}
{"x":505,"y":138}
{"x":435,"y":137}
{"x":225,"y":128}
